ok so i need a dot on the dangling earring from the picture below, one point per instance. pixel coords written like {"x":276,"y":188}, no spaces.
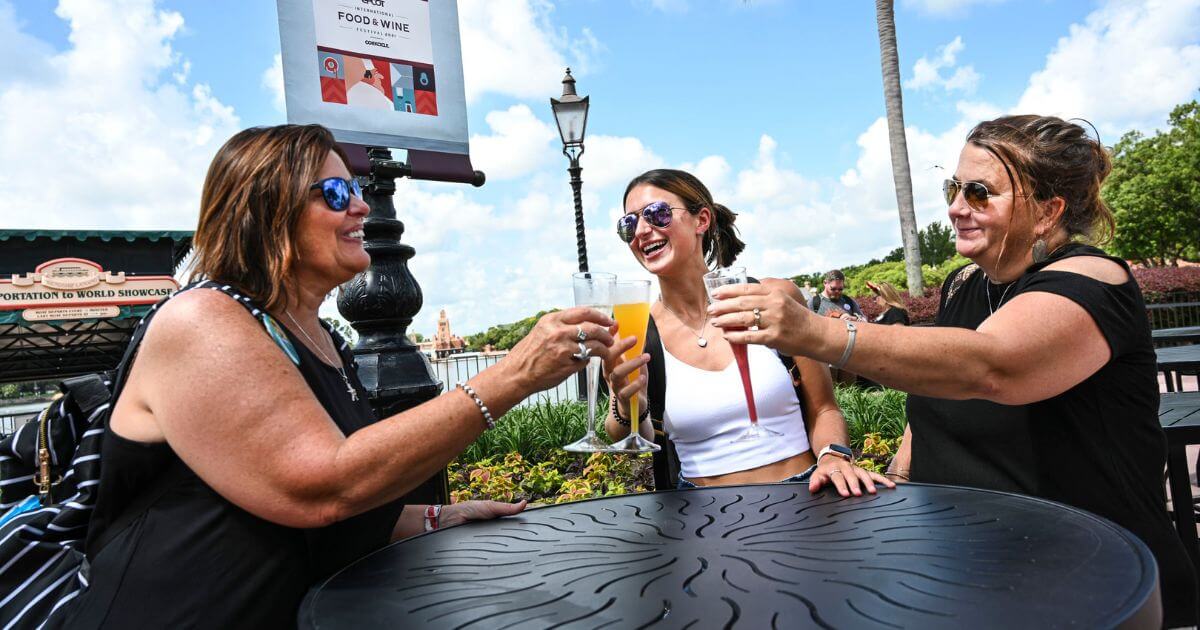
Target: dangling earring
{"x":1039,"y":251}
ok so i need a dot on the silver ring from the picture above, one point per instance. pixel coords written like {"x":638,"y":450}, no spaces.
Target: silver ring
{"x":757,"y":318}
{"x":580,"y":335}
{"x":835,"y":472}
{"x":583,"y":354}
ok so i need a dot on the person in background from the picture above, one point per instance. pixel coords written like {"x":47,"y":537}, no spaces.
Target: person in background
{"x":833,"y":302}
{"x":888,"y":299}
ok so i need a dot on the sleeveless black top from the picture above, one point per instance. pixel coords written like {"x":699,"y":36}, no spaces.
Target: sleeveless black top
{"x":194,"y":559}
{"x":1097,"y":446}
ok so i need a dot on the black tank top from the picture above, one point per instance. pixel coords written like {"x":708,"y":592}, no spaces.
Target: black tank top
{"x":194,"y":559}
{"x":1097,"y":446}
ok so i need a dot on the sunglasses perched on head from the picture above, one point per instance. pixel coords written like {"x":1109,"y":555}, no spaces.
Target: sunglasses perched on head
{"x":337,"y":192}
{"x":976,"y":193}
{"x":657,"y":214}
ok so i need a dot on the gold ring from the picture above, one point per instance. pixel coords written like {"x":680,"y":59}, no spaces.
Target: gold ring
{"x":835,"y":472}
{"x":757,"y":318}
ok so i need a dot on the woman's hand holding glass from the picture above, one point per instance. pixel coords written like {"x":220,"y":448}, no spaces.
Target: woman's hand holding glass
{"x":549,"y":353}
{"x":617,"y":371}
{"x":783,"y":323}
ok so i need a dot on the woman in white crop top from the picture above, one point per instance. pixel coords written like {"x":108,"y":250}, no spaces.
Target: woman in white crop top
{"x":676,"y":231}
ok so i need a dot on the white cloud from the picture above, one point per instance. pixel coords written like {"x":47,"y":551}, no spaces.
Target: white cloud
{"x":614,"y":160}
{"x":511,"y":47}
{"x":272,"y":82}
{"x":1125,"y":67}
{"x":927,"y":71}
{"x":114,"y":120}
{"x":518,"y":145}
{"x":22,"y":57}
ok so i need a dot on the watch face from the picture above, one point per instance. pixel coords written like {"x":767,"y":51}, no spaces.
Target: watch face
{"x":838,"y":448}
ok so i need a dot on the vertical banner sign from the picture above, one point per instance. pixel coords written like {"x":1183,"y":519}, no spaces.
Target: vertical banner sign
{"x":377,"y":72}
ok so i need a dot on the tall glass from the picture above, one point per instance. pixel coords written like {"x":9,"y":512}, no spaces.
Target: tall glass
{"x":631,"y":309}
{"x":593,"y":289}
{"x":720,"y":278}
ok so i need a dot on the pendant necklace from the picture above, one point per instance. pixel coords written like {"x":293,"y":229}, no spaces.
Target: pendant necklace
{"x":337,"y":364}
{"x":987,"y":287}
{"x":700,"y":340}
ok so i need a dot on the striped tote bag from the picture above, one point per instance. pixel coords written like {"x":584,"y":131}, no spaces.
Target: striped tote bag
{"x":49,"y":478}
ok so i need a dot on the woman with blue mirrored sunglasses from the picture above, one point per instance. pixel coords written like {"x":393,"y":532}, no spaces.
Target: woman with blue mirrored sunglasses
{"x":337,"y":191}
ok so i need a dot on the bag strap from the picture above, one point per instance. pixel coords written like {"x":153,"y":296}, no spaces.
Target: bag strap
{"x":665,"y":461}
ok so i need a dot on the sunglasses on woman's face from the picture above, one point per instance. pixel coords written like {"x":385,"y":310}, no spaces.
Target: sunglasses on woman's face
{"x":975,"y":193}
{"x":657,"y":214}
{"x":337,"y":191}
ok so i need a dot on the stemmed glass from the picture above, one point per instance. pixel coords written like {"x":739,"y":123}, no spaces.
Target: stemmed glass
{"x":720,"y":278}
{"x":592,"y":289}
{"x":631,"y":309}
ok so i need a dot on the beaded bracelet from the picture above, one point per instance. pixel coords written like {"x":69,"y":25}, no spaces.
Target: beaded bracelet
{"x":487,"y":416}
{"x":626,"y":422}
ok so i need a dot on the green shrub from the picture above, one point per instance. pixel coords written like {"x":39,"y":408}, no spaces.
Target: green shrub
{"x":872,"y":411}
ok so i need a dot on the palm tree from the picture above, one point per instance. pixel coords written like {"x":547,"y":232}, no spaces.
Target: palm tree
{"x":889,"y":61}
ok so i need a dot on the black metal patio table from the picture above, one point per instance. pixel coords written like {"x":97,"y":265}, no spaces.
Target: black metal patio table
{"x":1179,"y":415}
{"x":758,"y":556}
{"x":1176,"y":336}
{"x":1174,"y":362}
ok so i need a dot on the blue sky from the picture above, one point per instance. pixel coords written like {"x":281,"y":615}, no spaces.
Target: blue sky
{"x":776,"y":104}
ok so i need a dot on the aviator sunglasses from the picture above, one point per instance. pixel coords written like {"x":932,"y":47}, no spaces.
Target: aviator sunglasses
{"x":337,"y":191}
{"x":657,"y":214}
{"x":975,"y":193}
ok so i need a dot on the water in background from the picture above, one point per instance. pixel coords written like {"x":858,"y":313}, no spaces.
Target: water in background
{"x":458,"y":368}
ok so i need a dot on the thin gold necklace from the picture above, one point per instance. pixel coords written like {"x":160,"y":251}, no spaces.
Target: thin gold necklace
{"x":700,"y":340}
{"x":337,"y":365}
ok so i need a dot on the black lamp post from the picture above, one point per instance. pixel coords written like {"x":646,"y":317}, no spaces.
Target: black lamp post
{"x":570,"y":112}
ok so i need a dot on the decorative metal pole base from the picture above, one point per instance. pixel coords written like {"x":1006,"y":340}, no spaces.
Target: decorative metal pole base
{"x":380,"y":304}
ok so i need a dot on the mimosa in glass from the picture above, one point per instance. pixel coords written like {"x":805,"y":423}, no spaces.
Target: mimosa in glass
{"x":631,"y":309}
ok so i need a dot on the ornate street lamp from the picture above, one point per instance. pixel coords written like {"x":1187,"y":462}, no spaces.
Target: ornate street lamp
{"x":570,"y":112}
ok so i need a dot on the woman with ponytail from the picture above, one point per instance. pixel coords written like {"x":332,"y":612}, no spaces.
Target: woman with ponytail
{"x":688,"y":382}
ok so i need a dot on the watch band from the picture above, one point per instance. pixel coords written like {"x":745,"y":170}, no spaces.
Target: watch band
{"x":837,"y":449}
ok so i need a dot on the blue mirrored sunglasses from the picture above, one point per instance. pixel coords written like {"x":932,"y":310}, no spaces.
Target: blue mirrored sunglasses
{"x":337,"y":191}
{"x":657,"y":214}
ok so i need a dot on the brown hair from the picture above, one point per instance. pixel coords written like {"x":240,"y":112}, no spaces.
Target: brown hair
{"x":889,"y":294}
{"x":253,"y":197}
{"x":1047,"y":157}
{"x":721,"y":244}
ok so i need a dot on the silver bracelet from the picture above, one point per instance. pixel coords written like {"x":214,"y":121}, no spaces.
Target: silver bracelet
{"x":853,"y":331}
{"x":487,"y":416}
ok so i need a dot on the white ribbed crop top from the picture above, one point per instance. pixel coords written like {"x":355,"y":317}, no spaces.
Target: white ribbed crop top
{"x":705,"y":410}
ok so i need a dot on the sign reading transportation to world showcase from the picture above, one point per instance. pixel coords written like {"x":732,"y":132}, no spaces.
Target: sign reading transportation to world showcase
{"x":73,"y":288}
{"x":376,"y":72}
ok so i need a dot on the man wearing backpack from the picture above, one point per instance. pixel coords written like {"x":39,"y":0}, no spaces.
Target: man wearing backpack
{"x":833,"y":300}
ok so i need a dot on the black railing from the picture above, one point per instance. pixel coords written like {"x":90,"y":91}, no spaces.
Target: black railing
{"x":1183,"y":309}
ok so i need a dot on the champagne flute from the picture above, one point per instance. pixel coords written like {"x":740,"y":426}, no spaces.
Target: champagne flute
{"x":631,"y":309}
{"x":592,"y":289}
{"x":720,"y":278}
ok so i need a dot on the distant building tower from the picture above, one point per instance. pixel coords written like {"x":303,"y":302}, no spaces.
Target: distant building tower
{"x":444,"y":342}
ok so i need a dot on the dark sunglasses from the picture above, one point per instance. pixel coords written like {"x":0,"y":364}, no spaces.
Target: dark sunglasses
{"x":657,"y":214}
{"x":337,"y":191}
{"x":975,"y":193}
